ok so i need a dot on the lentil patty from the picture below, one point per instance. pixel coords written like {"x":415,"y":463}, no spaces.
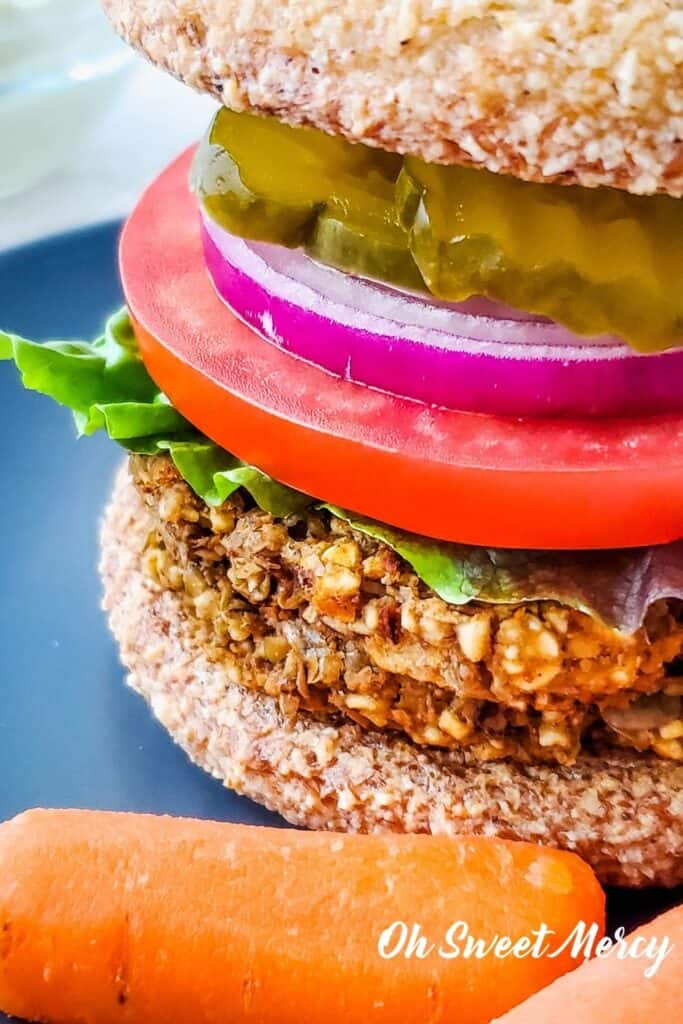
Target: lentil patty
{"x":333,"y":623}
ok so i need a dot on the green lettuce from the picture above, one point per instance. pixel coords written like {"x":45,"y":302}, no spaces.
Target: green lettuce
{"x":107,"y":387}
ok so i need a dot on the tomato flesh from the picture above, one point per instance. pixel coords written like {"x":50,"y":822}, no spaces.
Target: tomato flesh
{"x":454,"y":476}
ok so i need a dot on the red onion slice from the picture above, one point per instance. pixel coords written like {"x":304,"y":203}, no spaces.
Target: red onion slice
{"x":476,"y":356}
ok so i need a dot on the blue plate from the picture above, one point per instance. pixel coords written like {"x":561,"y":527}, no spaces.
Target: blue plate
{"x":71,"y":734}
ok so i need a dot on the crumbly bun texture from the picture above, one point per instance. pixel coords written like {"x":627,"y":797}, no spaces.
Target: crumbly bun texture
{"x":621,"y":812}
{"x":556,"y":90}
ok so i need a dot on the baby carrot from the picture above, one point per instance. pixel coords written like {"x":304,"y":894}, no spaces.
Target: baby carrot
{"x":110,"y":917}
{"x":617,"y":990}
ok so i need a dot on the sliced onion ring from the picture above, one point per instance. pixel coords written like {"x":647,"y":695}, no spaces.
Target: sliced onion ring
{"x":475,"y":356}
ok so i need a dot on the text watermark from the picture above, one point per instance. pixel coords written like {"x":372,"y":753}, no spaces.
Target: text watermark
{"x":408,"y":940}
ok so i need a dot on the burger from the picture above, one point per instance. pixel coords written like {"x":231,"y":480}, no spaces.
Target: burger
{"x":400,"y":375}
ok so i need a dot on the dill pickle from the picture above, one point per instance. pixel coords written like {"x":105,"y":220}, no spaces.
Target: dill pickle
{"x":299,"y":187}
{"x":599,"y":261}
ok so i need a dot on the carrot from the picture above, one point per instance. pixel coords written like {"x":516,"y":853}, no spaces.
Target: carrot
{"x":118,"y":917}
{"x":614,"y":990}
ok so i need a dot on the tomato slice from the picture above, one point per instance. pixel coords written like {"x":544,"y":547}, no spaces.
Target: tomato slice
{"x":449,"y":475}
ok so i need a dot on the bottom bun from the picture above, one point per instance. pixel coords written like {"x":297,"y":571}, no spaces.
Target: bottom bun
{"x":622,"y":812}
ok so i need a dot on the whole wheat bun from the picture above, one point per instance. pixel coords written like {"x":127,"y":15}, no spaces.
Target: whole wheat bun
{"x":587,"y":93}
{"x":623,"y":813}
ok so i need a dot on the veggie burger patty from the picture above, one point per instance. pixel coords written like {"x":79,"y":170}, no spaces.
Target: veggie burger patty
{"x":332,"y":622}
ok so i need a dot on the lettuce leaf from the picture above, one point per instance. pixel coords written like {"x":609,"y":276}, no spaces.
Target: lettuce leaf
{"x":107,"y":387}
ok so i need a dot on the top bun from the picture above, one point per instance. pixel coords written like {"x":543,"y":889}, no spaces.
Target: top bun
{"x":586,"y":92}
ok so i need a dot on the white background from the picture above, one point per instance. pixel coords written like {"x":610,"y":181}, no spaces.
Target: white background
{"x":150,"y":122}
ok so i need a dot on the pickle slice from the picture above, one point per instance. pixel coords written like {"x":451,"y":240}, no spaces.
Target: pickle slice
{"x":299,"y":187}
{"x":598,"y":261}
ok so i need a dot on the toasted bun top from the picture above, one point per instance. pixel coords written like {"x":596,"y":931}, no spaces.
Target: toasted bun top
{"x":578,"y":91}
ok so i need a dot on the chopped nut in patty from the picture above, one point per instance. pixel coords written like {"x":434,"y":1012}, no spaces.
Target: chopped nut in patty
{"x":332,"y":622}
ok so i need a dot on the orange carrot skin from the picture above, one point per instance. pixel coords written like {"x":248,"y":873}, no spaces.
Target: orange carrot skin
{"x":131,"y":918}
{"x":613,"y":991}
